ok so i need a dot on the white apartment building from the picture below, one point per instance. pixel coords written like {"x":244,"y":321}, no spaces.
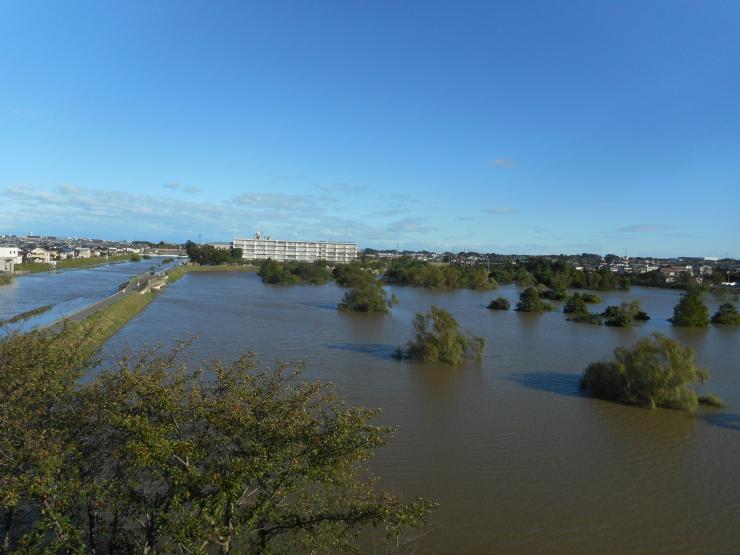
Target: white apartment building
{"x":262,"y":248}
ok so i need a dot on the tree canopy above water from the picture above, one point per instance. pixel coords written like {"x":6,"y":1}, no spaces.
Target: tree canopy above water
{"x":691,"y":310}
{"x":655,"y":372}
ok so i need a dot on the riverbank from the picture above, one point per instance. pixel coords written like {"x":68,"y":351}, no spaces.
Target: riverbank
{"x":35,"y":267}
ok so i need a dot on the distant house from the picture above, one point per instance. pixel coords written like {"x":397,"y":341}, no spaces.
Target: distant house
{"x":83,"y":252}
{"x":66,"y":253}
{"x":38,"y":255}
{"x":9,"y":257}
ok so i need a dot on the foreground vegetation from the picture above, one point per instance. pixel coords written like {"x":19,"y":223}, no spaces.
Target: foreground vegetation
{"x":154,"y":456}
{"x":656,"y":372}
{"x":440,"y":339}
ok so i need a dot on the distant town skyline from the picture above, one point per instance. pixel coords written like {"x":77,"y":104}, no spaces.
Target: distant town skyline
{"x":536,"y":128}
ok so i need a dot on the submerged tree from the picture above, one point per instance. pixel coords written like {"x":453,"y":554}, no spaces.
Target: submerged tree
{"x":656,"y":372}
{"x":155,"y":458}
{"x":691,"y":310}
{"x":727,"y":315}
{"x":439,"y":339}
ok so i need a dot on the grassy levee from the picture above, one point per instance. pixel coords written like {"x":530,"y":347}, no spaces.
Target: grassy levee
{"x":177,"y":273}
{"x":102,"y":324}
{"x":33,"y":267}
{"x":5,"y":279}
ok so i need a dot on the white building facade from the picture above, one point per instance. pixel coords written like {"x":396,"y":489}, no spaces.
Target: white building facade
{"x":262,"y":248}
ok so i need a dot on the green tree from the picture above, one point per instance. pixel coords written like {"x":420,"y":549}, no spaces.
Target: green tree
{"x":624,"y":315}
{"x":366,"y":298}
{"x":152,"y":457}
{"x":439,"y":339}
{"x":691,"y":310}
{"x":656,"y":372}
{"x":530,"y":301}
{"x":727,"y":315}
{"x":575,"y":305}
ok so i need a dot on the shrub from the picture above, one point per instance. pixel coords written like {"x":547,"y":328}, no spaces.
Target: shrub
{"x":711,"y":400}
{"x":656,"y":372}
{"x":439,"y":339}
{"x":727,"y":315}
{"x":499,"y":304}
{"x":590,"y":298}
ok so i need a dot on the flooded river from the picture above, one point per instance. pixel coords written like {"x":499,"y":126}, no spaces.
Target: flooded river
{"x":519,"y":461}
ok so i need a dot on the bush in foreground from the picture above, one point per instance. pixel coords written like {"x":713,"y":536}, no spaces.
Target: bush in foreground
{"x":499,"y":303}
{"x":153,"y":457}
{"x":656,"y":372}
{"x":439,"y":339}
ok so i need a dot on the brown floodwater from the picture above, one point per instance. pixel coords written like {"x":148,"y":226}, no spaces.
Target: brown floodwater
{"x":518,"y":459}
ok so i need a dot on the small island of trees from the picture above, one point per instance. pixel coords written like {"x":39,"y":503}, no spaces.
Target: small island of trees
{"x":530,"y":301}
{"x":440,"y":339}
{"x":656,"y":372}
{"x":294,"y":272}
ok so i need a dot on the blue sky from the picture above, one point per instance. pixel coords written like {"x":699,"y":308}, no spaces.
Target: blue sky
{"x":526,"y":127}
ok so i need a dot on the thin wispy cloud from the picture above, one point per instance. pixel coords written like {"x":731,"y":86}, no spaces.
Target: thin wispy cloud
{"x":505,"y":163}
{"x":466,"y":218}
{"x":175,"y":186}
{"x":645,"y":228}
{"x":501,"y":211}
{"x":343,"y":188}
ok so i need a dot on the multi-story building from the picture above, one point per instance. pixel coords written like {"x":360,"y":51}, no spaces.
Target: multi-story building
{"x":262,"y":248}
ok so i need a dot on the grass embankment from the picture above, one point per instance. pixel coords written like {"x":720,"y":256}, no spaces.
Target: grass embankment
{"x":5,"y":279}
{"x":102,"y":324}
{"x":26,"y":315}
{"x":177,"y":273}
{"x":33,"y":267}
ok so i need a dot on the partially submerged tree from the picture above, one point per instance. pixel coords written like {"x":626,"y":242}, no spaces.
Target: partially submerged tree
{"x":691,"y":310}
{"x":499,"y":303}
{"x":155,"y":458}
{"x":656,"y":372}
{"x":370,"y":297}
{"x":624,"y":315}
{"x":440,"y":339}
{"x":727,"y":315}
{"x":530,"y":301}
